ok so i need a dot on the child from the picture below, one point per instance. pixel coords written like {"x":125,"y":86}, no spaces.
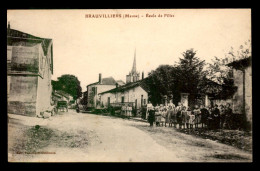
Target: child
{"x":163,"y":116}
{"x":168,"y":116}
{"x":197,"y":114}
{"x":192,"y":119}
{"x":183,"y":117}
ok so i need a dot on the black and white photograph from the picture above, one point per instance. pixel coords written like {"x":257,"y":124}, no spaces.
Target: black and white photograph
{"x":129,"y":85}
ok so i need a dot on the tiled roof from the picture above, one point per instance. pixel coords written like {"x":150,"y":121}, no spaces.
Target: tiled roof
{"x":105,"y":81}
{"x":120,"y":82}
{"x":239,"y":64}
{"x":128,"y":86}
{"x":18,"y":35}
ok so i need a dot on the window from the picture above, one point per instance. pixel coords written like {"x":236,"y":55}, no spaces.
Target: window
{"x":122,"y":99}
{"x":108,"y":101}
{"x":144,"y":101}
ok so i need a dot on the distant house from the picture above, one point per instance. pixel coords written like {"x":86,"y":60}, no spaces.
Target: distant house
{"x":29,"y":70}
{"x":120,"y":82}
{"x":135,"y":93}
{"x":58,"y":95}
{"x":242,"y":99}
{"x":95,"y":88}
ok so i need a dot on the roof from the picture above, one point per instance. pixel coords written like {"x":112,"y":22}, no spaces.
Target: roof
{"x":120,"y":82}
{"x":62,"y":93}
{"x":128,"y":86}
{"x":14,"y":36}
{"x":105,"y":81}
{"x":240,"y":64}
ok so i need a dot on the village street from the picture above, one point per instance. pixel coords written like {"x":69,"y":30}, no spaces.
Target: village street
{"x":83,"y":137}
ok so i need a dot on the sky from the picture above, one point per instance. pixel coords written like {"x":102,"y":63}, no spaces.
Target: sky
{"x":85,"y":47}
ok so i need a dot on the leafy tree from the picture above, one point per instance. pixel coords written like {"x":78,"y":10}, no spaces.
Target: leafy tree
{"x":69,"y":84}
{"x":160,"y":82}
{"x":189,"y":74}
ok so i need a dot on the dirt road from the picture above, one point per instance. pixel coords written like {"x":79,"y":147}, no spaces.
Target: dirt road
{"x":93,"y":138}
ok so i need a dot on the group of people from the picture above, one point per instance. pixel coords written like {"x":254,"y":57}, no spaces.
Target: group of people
{"x":212,"y":117}
{"x":126,"y":110}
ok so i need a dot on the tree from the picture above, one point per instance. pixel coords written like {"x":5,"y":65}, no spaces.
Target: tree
{"x":160,"y":82}
{"x":69,"y":84}
{"x":222,"y":74}
{"x":189,"y":74}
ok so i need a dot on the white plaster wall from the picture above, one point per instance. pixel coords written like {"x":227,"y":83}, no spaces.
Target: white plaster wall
{"x":100,"y":88}
{"x":130,"y":96}
{"x":44,"y":84}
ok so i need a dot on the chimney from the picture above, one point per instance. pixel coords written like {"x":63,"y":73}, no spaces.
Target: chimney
{"x":100,"y":78}
{"x":142,"y":75}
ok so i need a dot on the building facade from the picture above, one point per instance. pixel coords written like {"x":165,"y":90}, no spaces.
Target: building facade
{"x":29,"y":71}
{"x":135,"y":93}
{"x":94,"y":89}
{"x":242,"y":99}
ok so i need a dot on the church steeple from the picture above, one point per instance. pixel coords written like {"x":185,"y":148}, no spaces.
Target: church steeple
{"x":134,"y":64}
{"x":133,"y":74}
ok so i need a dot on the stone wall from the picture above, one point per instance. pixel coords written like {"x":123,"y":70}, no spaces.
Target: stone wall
{"x":22,"y":95}
{"x":28,"y":93}
{"x":238,"y":96}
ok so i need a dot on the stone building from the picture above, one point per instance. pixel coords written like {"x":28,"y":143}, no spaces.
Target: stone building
{"x":242,"y":99}
{"x":94,"y":89}
{"x":29,"y":70}
{"x":135,"y":93}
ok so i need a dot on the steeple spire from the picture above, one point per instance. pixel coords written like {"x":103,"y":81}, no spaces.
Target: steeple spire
{"x":134,"y":64}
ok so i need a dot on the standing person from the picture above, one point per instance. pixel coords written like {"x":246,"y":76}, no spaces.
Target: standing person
{"x":183,"y":117}
{"x":163,"y":117}
{"x":228,"y":114}
{"x":204,"y":116}
{"x":174,"y":116}
{"x":187,"y":117}
{"x":210,"y":117}
{"x":191,"y":118}
{"x":197,"y":114}
{"x":168,"y":118}
{"x":157,"y":115}
{"x":151,"y":116}
{"x":178,"y":113}
{"x":216,"y":117}
{"x":222,"y":116}
{"x":179,"y":117}
{"x":149,"y":106}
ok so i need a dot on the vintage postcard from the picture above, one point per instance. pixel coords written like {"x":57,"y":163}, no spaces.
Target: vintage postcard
{"x":129,"y":85}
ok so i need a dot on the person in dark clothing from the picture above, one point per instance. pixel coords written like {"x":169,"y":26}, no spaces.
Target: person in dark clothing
{"x":210,"y":118}
{"x":222,"y":116}
{"x":151,"y":117}
{"x":204,"y":116}
{"x":216,"y":117}
{"x":228,"y":114}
